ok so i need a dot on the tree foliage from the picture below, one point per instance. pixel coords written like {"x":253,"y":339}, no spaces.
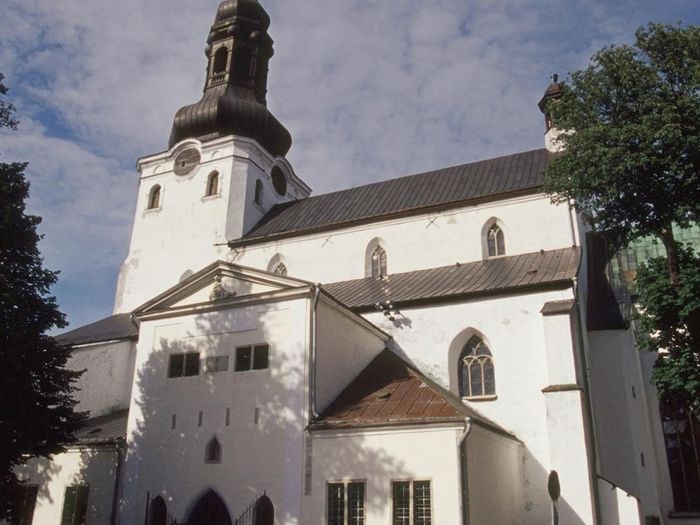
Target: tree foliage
{"x":662,"y":322}
{"x":630,"y":151}
{"x":36,"y":405}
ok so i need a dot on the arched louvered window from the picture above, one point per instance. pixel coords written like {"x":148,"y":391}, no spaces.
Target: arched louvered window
{"x":476,"y":371}
{"x":220,"y":60}
{"x":496,"y":241}
{"x":154,"y":198}
{"x":212,"y":184}
{"x":280,"y":269}
{"x":258,"y":192}
{"x":212,"y":453}
{"x":378,"y":262}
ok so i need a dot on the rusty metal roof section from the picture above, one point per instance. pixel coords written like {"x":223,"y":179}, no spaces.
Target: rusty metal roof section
{"x":103,"y":430}
{"x":504,"y":274}
{"x":433,"y":190}
{"x":390,"y":392}
{"x":113,"y":328}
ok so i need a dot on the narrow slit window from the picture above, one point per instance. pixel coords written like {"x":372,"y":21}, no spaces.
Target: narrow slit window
{"x":258,"y":199}
{"x":496,"y":241}
{"x":378,"y":262}
{"x":154,"y":198}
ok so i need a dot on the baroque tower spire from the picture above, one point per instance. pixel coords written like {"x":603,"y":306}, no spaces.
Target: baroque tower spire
{"x":238,"y":51}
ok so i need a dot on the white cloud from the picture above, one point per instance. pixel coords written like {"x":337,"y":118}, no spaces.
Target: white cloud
{"x":370,"y":90}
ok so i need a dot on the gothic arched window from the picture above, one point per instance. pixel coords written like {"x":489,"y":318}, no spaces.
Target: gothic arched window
{"x":378,"y":262}
{"x":475,"y":370}
{"x":212,"y":184}
{"x":154,"y":198}
{"x":212,"y":453}
{"x":496,"y":241}
{"x":258,"y":192}
{"x":280,"y":269}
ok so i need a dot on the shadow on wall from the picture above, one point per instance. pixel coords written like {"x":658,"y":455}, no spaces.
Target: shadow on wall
{"x":257,"y":416}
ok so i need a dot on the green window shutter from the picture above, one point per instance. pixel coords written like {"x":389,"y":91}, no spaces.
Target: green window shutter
{"x":69,"y":506}
{"x":75,"y":505}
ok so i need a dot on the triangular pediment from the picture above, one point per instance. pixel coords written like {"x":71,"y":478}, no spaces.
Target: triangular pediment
{"x":219,"y":282}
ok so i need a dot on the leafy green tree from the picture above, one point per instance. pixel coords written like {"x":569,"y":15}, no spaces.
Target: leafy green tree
{"x":36,"y":405}
{"x":630,"y":145}
{"x":662,"y":322}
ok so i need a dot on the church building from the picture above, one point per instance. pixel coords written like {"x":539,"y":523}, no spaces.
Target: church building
{"x":427,"y":350}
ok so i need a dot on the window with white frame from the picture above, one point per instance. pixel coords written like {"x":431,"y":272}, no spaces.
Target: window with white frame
{"x":212,"y":184}
{"x":346,"y":503}
{"x":154,"y":198}
{"x":476,"y":371}
{"x":411,"y":503}
{"x":496,"y":241}
{"x":378,"y":262}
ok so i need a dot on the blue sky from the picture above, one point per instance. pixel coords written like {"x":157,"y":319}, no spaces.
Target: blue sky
{"x":370,"y":90}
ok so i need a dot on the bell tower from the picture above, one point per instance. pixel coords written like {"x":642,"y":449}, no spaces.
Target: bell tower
{"x":224,"y":169}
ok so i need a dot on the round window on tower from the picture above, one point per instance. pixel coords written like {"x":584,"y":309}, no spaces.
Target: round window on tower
{"x":279,"y":180}
{"x":186,"y":161}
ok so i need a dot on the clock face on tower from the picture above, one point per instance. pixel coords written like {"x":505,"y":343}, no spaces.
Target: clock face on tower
{"x":186,"y":161}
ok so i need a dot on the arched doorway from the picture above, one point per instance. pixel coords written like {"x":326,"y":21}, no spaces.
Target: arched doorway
{"x":209,"y":510}
{"x":264,"y":511}
{"x":157,"y":512}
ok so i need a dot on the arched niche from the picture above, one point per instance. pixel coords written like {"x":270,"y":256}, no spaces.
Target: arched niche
{"x":209,"y":509}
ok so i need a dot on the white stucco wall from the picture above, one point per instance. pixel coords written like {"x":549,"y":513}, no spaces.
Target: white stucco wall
{"x":261,"y":446}
{"x":379,"y":456}
{"x":93,"y":467}
{"x":495,"y":479}
{"x":105,"y":386}
{"x":345,"y":348}
{"x":414,"y":243}
{"x":189,"y":231}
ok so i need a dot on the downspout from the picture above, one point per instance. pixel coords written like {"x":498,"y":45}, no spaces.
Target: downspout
{"x":464,"y":480}
{"x":589,"y":404}
{"x":117,"y":480}
{"x":313,"y":351}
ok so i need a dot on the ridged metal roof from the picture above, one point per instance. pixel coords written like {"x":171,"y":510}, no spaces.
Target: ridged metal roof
{"x":112,"y":328}
{"x":440,"y":188}
{"x":104,"y":429}
{"x":502,"y":274}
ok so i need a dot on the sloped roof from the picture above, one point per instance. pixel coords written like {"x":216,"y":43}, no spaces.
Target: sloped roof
{"x":391,"y":392}
{"x":516,"y":272}
{"x":104,"y":429}
{"x":111,"y":328}
{"x":441,"y":188}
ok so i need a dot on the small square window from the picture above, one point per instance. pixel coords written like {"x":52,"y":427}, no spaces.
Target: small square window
{"x":243,"y":358}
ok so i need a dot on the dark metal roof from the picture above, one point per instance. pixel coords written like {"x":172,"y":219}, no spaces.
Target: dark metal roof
{"x":389,"y":391}
{"x":104,"y":429}
{"x":112,"y":328}
{"x":516,"y":272}
{"x":444,"y":188}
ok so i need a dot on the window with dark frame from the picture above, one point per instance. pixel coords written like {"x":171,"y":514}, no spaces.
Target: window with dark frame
{"x":346,"y":503}
{"x":252,"y":357}
{"x":75,"y":504}
{"x":411,"y":503}
{"x":183,"y":365}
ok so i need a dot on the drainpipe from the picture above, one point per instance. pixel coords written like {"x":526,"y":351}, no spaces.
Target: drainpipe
{"x":117,"y":479}
{"x":464,"y":480}
{"x":313,"y":351}
{"x":588,"y":401}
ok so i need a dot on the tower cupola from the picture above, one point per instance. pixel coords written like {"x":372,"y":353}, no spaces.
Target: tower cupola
{"x":234,"y":102}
